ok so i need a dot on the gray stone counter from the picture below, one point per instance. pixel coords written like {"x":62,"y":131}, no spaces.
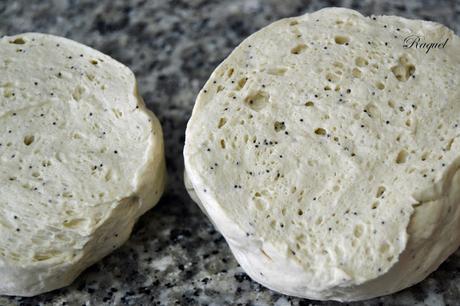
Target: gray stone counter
{"x":175,"y":256}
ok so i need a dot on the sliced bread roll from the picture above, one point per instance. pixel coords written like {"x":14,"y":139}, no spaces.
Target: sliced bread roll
{"x":81,"y":159}
{"x":327,"y":153}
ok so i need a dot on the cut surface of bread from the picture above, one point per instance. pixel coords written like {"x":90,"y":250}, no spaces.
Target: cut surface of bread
{"x":327,"y":153}
{"x":81,"y":159}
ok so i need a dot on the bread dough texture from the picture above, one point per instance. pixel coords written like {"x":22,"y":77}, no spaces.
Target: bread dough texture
{"x":81,"y":159}
{"x":327,"y":154}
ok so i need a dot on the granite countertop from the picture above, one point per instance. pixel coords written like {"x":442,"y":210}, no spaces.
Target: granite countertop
{"x":175,"y":256}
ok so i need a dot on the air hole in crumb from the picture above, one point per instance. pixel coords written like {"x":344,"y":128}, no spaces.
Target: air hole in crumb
{"x":332,"y":77}
{"x":230,"y":72}
{"x":356,"y":73}
{"x":380,"y":191}
{"x":298,"y":49}
{"x":18,"y":41}
{"x":222,"y":122}
{"x":28,"y":140}
{"x":449,"y":144}
{"x":94,"y":62}
{"x":424,"y":156}
{"x":384,"y":248}
{"x":300,"y":212}
{"x":320,"y":131}
{"x":241,"y":83}
{"x":358,"y":231}
{"x":360,"y":61}
{"x":257,"y":101}
{"x":277,"y":71}
{"x":403,"y":70}
{"x":309,"y":104}
{"x":293,"y":23}
{"x":380,"y":85}
{"x":375,"y":205}
{"x":279,"y":126}
{"x":401,"y":157}
{"x":339,"y":39}
{"x":222,"y":144}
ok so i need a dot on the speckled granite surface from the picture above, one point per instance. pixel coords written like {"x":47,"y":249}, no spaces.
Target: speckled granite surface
{"x":174,"y":255}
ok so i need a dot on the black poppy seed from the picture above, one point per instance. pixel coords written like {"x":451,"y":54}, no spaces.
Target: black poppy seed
{"x":387,"y":122}
{"x":286,"y":132}
{"x":368,"y":42}
{"x":424,"y":175}
{"x":235,"y":186}
{"x":314,"y":199}
{"x":443,"y":165}
{"x":386,"y":44}
{"x":14,"y":114}
{"x":15,"y":217}
{"x":214,"y":82}
{"x":208,"y":149}
{"x":116,"y":152}
{"x":256,"y":146}
{"x":9,"y":132}
{"x":362,"y":125}
{"x":330,"y":229}
{"x":281,"y":156}
{"x":205,"y":91}
{"x":373,"y":18}
{"x":90,"y":114}
{"x":398,"y":29}
{"x":385,"y":26}
{"x":325,"y":48}
{"x":301,"y":120}
{"x":18,"y":230}
{"x":348,"y":90}
{"x":54,"y":123}
{"x":57,"y":45}
{"x":81,"y":55}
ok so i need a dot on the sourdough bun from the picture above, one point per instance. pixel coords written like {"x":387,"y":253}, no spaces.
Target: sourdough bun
{"x":81,"y":159}
{"x":327,"y":154}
